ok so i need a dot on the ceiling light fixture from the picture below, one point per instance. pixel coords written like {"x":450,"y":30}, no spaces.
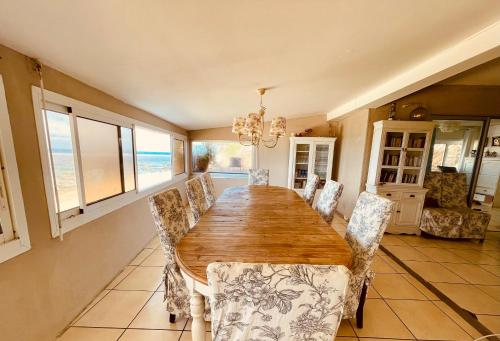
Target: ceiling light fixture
{"x":250,"y":130}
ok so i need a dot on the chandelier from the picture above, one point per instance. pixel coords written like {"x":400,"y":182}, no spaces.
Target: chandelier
{"x":250,"y":130}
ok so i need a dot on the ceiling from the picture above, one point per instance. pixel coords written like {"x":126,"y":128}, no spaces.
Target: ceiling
{"x":484,"y":74}
{"x":198,"y":63}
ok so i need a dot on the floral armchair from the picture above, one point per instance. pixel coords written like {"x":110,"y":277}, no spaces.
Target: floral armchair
{"x":446,"y":213}
{"x":276,"y":302}
{"x":258,"y":177}
{"x":329,"y":199}
{"x":196,"y":198}
{"x":208,"y":188}
{"x":365,"y":230}
{"x":310,"y":190}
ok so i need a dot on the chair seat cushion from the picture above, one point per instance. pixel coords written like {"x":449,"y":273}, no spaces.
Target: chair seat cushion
{"x":454,"y":222}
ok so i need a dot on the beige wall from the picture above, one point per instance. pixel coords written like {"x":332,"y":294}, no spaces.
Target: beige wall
{"x":275,"y":159}
{"x":351,"y":158}
{"x":43,"y":289}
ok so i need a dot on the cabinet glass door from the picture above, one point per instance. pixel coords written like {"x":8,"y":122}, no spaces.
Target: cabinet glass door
{"x":413,"y":157}
{"x":321,"y":162}
{"x":392,"y":155}
{"x":301,"y":165}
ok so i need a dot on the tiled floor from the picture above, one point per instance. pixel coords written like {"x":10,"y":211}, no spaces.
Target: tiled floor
{"x":398,"y":307}
{"x":467,"y":272}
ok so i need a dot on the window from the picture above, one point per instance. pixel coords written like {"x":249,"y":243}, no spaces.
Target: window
{"x":179,"y":162}
{"x":14,"y":238}
{"x":221,"y":157}
{"x":95,"y":161}
{"x":446,"y":154}
{"x":154,"y":161}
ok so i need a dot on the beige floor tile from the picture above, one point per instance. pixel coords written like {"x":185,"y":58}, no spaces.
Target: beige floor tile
{"x":150,"y":335}
{"x":128,"y":269}
{"x":154,"y":243}
{"x":87,"y":334}
{"x":186,"y":336}
{"x":141,"y":256}
{"x":208,"y":326}
{"x":116,"y":309}
{"x":457,"y":244}
{"x":154,"y":316}
{"x":491,"y":322}
{"x":397,"y":268}
{"x":441,"y":255}
{"x":345,"y":329}
{"x":91,"y":304}
{"x":417,"y":241}
{"x":492,"y":290}
{"x":476,"y":257}
{"x":434,"y":272}
{"x":157,"y":258}
{"x":346,"y":338}
{"x":373,"y":339}
{"x":397,"y":287}
{"x":470,"y":298}
{"x":494,"y":269}
{"x":389,"y":239}
{"x":142,"y":278}
{"x":380,"y":266}
{"x":426,"y":321}
{"x":372,"y":292}
{"x":377,"y":311}
{"x":458,"y":319}
{"x":406,"y":253}
{"x":422,"y":288}
{"x":474,"y":274}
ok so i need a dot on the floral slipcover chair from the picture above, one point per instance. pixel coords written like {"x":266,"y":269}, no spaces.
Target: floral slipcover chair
{"x":310,"y":190}
{"x":449,"y":216}
{"x":258,"y":177}
{"x":196,"y":198}
{"x":365,"y":230}
{"x":276,"y":302}
{"x":328,"y":199}
{"x":208,"y":188}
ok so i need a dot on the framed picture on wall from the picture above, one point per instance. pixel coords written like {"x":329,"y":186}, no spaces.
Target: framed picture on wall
{"x":495,"y":141}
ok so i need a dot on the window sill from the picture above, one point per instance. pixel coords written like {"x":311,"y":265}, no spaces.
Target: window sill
{"x":12,"y":249}
{"x":225,"y":175}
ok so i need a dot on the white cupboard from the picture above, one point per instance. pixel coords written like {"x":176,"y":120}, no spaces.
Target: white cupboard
{"x":310,"y":155}
{"x":398,"y":161}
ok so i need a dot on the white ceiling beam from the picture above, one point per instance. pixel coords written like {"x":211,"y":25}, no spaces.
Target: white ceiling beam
{"x":477,"y":49}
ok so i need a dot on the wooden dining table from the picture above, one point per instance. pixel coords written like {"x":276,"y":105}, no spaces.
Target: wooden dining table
{"x":255,"y":224}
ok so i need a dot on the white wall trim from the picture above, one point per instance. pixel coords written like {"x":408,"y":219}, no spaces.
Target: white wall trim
{"x":21,"y":242}
{"x":106,"y":206}
{"x":477,"y":49}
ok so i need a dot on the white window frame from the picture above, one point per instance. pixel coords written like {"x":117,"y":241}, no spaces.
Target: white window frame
{"x":223,"y":174}
{"x":105,"y":206}
{"x":19,"y":227}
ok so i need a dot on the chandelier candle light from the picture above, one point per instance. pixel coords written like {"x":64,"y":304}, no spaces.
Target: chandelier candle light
{"x":250,"y":130}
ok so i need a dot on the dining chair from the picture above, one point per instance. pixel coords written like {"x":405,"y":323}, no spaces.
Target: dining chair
{"x":276,"y":302}
{"x":171,"y":224}
{"x":258,"y":177}
{"x":196,"y":198}
{"x":310,"y":189}
{"x":328,"y":199}
{"x":366,"y":227}
{"x":208,"y":188}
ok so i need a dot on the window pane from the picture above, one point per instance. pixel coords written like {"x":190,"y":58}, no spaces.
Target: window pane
{"x":221,"y":157}
{"x":179,"y":164}
{"x":154,"y":162}
{"x":62,"y":155}
{"x":437,"y":156}
{"x":453,"y":152}
{"x":99,"y":152}
{"x":128,"y":159}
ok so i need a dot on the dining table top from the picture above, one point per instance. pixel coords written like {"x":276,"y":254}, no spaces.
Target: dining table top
{"x":260,"y":224}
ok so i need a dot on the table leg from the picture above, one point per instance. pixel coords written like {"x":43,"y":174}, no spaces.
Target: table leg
{"x":197,"y":303}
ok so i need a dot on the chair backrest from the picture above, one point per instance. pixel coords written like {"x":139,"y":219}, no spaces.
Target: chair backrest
{"x":170,"y":220}
{"x":276,"y":302}
{"x":208,"y":188}
{"x":196,"y":198}
{"x":328,"y":199}
{"x":258,"y":176}
{"x":366,"y":228}
{"x":310,"y":190}
{"x":448,"y":189}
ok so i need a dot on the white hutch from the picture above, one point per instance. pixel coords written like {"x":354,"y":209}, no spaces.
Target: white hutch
{"x":310,"y":154}
{"x":398,"y":161}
